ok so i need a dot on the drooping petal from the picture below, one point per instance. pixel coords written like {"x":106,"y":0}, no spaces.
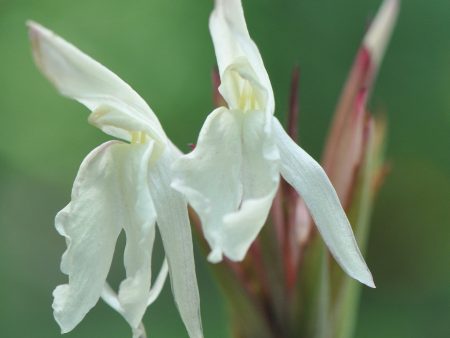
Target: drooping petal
{"x":230,"y":179}
{"x":91,"y":225}
{"x":110,"y":192}
{"x":158,"y":285}
{"x":232,"y":42}
{"x":175,"y":230}
{"x":111,"y":298}
{"x":118,"y":109}
{"x":139,"y":225}
{"x":309,"y":179}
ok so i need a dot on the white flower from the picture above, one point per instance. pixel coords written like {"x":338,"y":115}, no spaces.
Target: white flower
{"x":120,"y":185}
{"x":232,"y":175}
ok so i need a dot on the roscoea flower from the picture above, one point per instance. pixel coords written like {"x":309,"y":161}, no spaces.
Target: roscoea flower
{"x":120,"y":185}
{"x":232,"y":175}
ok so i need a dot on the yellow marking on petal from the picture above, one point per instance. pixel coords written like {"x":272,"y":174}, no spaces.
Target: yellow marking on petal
{"x":247,"y":97}
{"x":138,"y":137}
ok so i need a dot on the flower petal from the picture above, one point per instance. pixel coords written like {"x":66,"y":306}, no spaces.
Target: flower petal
{"x":118,"y":109}
{"x":158,"y":285}
{"x":139,"y":225}
{"x":112,"y":299}
{"x":110,"y":192}
{"x":230,"y":179}
{"x":309,"y":179}
{"x":233,"y":42}
{"x":175,"y":230}
{"x":91,"y":223}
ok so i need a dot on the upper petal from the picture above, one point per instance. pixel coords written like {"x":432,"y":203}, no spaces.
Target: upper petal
{"x":118,"y":109}
{"x":232,"y":42}
{"x":230,"y":179}
{"x":309,"y":179}
{"x":175,"y":230}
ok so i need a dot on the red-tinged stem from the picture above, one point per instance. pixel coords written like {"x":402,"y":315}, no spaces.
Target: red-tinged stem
{"x":260,"y":269}
{"x":290,"y":270}
{"x":352,"y":149}
{"x":277,"y":215}
{"x":304,"y":230}
{"x":290,"y":247}
{"x":366,"y":131}
{"x":234,"y":267}
{"x":238,"y":271}
{"x":245,"y":280}
{"x":378,"y":127}
{"x":292,"y":128}
{"x":360,"y":77}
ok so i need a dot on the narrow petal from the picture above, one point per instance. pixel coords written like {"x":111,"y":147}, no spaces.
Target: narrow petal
{"x":175,"y":230}
{"x":110,"y":192}
{"x":158,"y":285}
{"x":233,"y":42}
{"x":139,"y":226}
{"x":309,"y":179}
{"x":230,"y":179}
{"x":118,"y":109}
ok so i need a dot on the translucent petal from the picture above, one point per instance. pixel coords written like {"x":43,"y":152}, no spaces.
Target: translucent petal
{"x":91,"y":223}
{"x":175,"y":230}
{"x":233,"y":42}
{"x":309,"y":179}
{"x":118,"y":109}
{"x":110,"y":192}
{"x":230,"y":179}
{"x":139,"y":225}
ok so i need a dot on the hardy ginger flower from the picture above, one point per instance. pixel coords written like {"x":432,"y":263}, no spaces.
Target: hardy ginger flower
{"x":120,"y":185}
{"x":232,"y":175}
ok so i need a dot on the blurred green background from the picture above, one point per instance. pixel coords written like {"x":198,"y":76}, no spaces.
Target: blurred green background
{"x":163,"y":49}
